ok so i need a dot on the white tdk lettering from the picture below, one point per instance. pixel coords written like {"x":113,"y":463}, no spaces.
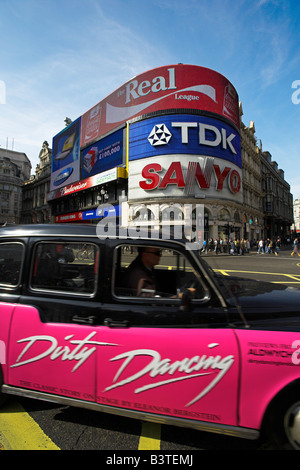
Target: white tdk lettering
{"x":219,"y":137}
{"x":135,"y":90}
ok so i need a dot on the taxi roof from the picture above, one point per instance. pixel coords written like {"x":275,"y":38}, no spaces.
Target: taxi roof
{"x":81,"y":230}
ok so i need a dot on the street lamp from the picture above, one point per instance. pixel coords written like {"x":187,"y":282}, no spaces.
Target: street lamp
{"x":102,"y":195}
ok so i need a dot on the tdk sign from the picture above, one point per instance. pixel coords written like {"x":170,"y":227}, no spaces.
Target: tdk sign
{"x":208,"y":135}
{"x":184,"y":134}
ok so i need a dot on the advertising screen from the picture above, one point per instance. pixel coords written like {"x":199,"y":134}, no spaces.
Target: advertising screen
{"x":170,"y":87}
{"x":184,"y":134}
{"x":103,"y":155}
{"x":184,"y":176}
{"x":65,"y":168}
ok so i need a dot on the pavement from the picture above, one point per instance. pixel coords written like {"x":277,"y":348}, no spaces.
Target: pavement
{"x":286,"y":249}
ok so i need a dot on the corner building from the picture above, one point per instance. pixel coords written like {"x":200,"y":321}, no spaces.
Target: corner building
{"x":168,"y":141}
{"x":14,"y":170}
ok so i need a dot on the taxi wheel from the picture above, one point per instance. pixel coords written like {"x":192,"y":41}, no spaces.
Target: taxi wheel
{"x":284,"y":422}
{"x":291,"y":424}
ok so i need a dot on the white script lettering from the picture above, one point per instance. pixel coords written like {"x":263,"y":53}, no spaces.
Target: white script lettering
{"x":80,"y":353}
{"x":187,"y":366}
{"x":135,"y":90}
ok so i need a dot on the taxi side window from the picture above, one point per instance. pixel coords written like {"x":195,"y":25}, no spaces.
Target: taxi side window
{"x":67,"y":267}
{"x":11,"y":256}
{"x":149,"y":271}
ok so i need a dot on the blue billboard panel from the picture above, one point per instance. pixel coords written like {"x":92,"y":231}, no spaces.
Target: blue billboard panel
{"x":65,"y":167}
{"x":103,"y":155}
{"x":184,"y":134}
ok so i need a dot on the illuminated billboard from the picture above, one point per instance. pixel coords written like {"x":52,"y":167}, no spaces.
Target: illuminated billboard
{"x":170,"y":87}
{"x":184,"y":176}
{"x":184,"y":133}
{"x":203,"y":111}
{"x":104,"y":154}
{"x":65,"y":165}
{"x":184,"y":156}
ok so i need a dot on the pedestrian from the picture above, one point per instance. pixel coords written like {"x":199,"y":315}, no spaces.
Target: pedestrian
{"x":260,"y":246}
{"x":296,"y":247}
{"x":271,"y":246}
{"x":277,"y":246}
{"x":238,"y":246}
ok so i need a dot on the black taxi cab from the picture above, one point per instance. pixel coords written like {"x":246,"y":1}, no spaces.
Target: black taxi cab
{"x":142,"y":327}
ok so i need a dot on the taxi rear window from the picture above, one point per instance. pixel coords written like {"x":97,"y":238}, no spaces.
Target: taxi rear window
{"x":66,"y":267}
{"x":11,"y":256}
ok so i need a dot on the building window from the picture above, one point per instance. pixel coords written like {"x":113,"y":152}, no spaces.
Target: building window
{"x":224,"y":215}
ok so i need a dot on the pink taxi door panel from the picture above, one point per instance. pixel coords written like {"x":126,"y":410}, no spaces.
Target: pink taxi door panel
{"x":56,"y":358}
{"x":186,"y":373}
{"x":269,"y":368}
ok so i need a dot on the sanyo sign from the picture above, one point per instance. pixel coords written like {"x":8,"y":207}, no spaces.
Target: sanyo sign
{"x":185,"y":175}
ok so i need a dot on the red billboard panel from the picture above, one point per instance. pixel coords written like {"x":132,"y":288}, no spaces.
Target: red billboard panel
{"x":165,"y":88}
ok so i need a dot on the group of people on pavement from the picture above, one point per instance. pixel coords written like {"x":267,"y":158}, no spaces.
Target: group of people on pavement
{"x":269,"y":246}
{"x":243,"y":246}
{"x":218,"y":245}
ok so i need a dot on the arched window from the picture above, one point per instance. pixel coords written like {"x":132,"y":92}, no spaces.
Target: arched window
{"x":224,"y":215}
{"x":237,"y":217}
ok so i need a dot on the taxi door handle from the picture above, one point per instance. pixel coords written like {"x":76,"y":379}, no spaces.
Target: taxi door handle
{"x":87,"y":320}
{"x":116,"y":323}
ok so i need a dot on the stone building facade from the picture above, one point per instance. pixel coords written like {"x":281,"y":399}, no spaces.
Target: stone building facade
{"x":35,"y":208}
{"x":276,"y":198}
{"x":15,"y":169}
{"x":244,"y":220}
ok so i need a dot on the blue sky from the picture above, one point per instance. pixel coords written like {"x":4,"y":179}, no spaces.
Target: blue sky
{"x":58,"y":58}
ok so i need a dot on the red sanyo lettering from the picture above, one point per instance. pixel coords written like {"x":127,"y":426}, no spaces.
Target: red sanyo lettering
{"x":149,"y":174}
{"x":174,"y":175}
{"x":234,"y":181}
{"x":221,"y":175}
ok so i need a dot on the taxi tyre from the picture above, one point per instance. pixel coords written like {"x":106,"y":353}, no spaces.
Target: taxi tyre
{"x":282,"y":423}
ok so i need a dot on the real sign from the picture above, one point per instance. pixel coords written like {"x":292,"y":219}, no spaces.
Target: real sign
{"x":170,"y":87}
